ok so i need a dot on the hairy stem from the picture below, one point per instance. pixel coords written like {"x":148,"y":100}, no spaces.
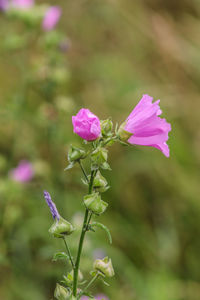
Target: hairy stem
{"x":83,"y":170}
{"x":69,"y":253}
{"x":80,"y":247}
{"x":88,"y":285}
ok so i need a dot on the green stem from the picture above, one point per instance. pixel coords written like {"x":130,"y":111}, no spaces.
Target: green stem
{"x":80,"y":247}
{"x":83,"y":170}
{"x":88,"y":285}
{"x":69,"y":253}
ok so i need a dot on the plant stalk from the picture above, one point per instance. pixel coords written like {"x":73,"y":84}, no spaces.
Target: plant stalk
{"x":80,"y":247}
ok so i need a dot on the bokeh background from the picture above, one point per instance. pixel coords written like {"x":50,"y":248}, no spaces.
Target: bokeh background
{"x":111,"y":52}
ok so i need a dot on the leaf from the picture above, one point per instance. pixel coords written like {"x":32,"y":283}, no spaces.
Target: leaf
{"x":102,"y":226}
{"x":106,"y":166}
{"x":70,"y":166}
{"x":60,"y":255}
{"x":107,"y":284}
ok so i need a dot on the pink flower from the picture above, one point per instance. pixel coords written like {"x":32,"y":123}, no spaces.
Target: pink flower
{"x":22,"y":4}
{"x":23,"y":172}
{"x":86,"y":125}
{"x":51,"y":18}
{"x":146,"y":127}
{"x":4,"y":5}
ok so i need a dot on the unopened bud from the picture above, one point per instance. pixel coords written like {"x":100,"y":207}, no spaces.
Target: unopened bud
{"x":106,"y":127}
{"x":123,"y":134}
{"x":99,"y":157}
{"x":94,"y":203}
{"x":61,"y":293}
{"x":75,"y":154}
{"x":104,"y":266}
{"x":61,"y":227}
{"x":100,"y":183}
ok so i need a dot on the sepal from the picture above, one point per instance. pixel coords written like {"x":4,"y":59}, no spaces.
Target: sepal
{"x":75,"y":154}
{"x":122,"y":134}
{"x":61,"y":227}
{"x":104,"y":266}
{"x":94,"y":203}
{"x":61,"y":293}
{"x":106,"y":127}
{"x":99,"y":157}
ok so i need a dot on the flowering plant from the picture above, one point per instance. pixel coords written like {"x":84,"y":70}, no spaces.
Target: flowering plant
{"x":142,"y":127}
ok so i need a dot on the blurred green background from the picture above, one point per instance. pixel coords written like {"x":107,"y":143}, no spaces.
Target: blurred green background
{"x":115,"y":50}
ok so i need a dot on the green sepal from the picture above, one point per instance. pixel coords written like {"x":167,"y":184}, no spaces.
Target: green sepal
{"x":94,"y":203}
{"x":102,"y":226}
{"x":122,"y":134}
{"x":70,"y":166}
{"x":104,"y":266}
{"x":61,"y":227}
{"x":98,"y":157}
{"x":75,"y":154}
{"x":106,"y":127}
{"x":60,"y":255}
{"x":61,"y":293}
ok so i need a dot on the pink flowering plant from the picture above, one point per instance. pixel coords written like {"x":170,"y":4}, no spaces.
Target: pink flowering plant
{"x":145,"y":127}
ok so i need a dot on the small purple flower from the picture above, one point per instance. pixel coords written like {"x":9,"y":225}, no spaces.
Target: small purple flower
{"x":51,"y":18}
{"x":3,"y":5}
{"x":86,"y":125}
{"x":51,"y":205}
{"x":23,"y":172}
{"x":22,"y":4}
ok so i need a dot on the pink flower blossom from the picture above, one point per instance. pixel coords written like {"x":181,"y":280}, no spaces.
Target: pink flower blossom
{"x":4,"y":5}
{"x":147,"y":127}
{"x":86,"y":125}
{"x":51,"y":18}
{"x":22,"y":4}
{"x":23,"y":172}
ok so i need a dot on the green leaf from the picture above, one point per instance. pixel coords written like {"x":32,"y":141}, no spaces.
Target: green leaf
{"x":60,"y":255}
{"x":70,"y":166}
{"x":106,"y":166}
{"x":102,"y":226}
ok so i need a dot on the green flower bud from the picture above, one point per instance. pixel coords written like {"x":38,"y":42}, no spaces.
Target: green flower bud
{"x":99,"y":157}
{"x":123,"y":134}
{"x":100,"y":183}
{"x":60,"y":228}
{"x":75,"y":154}
{"x":104,"y":266}
{"x":61,"y":293}
{"x":94,"y":203}
{"x":106,"y":127}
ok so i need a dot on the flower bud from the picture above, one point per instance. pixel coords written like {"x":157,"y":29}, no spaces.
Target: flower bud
{"x":60,"y":228}
{"x":123,"y":134}
{"x":106,"y":127}
{"x":104,"y":266}
{"x":99,"y":157}
{"x":61,"y":293}
{"x":75,"y":154}
{"x":94,"y":203}
{"x":100,"y":183}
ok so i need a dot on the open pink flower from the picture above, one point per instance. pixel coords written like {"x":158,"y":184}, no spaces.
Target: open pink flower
{"x":86,"y":125}
{"x":23,"y":172}
{"x":51,"y":18}
{"x":147,"y":127}
{"x":22,"y":4}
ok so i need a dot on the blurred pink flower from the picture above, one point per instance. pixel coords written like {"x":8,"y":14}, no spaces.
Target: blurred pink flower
{"x":4,"y":5}
{"x":51,"y":18}
{"x":22,"y":4}
{"x":147,"y":127}
{"x":86,"y":125}
{"x":23,"y":172}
